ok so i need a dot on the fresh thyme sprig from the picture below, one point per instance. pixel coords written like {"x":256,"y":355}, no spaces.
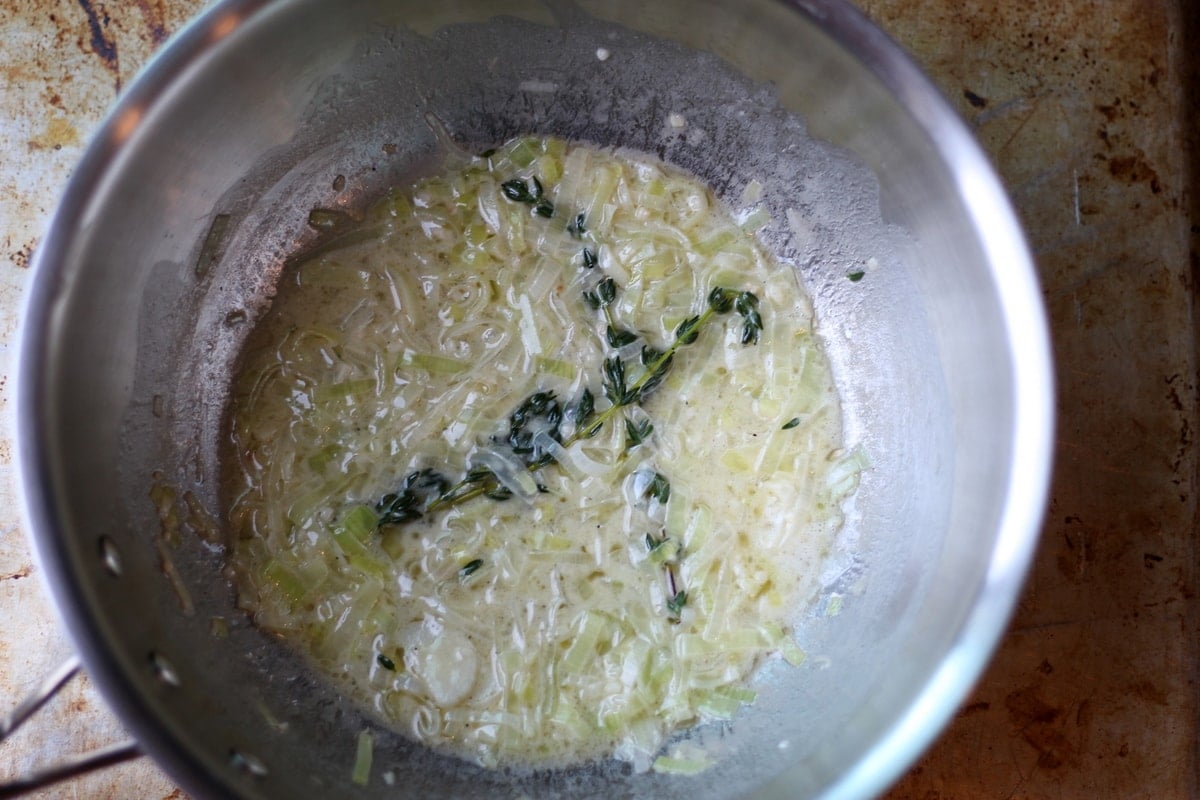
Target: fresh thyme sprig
{"x":406,"y":504}
{"x":426,"y":491}
{"x":541,"y":411}
{"x":621,"y":392}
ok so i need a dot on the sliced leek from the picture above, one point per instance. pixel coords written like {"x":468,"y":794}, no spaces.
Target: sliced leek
{"x":573,"y":612}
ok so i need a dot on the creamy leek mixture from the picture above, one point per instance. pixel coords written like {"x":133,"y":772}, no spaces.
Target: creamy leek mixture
{"x":540,"y":462}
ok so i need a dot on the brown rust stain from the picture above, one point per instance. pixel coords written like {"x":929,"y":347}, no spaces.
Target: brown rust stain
{"x":1146,"y":690}
{"x":57,"y":133}
{"x":1041,"y":726}
{"x":974,"y":99}
{"x":1134,"y":169}
{"x":155,"y":16}
{"x":21,"y":257}
{"x":1084,"y":715}
{"x":102,"y":44}
{"x":974,"y":708}
{"x":1110,"y":111}
{"x":1090,"y":118}
{"x":23,"y":572}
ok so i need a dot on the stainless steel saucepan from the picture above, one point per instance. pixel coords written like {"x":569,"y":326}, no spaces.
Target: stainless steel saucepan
{"x":196,"y":191}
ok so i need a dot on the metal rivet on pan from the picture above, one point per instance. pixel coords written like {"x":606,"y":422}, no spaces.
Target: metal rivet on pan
{"x":164,"y":670}
{"x":247,"y":763}
{"x":110,"y":556}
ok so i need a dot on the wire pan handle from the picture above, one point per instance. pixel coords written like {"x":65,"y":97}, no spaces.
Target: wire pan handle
{"x":71,"y":766}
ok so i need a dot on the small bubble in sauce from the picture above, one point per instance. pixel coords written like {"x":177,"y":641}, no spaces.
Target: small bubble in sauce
{"x":602,"y":54}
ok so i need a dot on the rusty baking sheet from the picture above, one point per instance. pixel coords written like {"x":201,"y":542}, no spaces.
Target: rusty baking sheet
{"x":1088,"y":112}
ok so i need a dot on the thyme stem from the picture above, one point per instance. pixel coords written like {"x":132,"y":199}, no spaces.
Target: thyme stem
{"x":635,"y":389}
{"x":449,"y":498}
{"x":403,"y":507}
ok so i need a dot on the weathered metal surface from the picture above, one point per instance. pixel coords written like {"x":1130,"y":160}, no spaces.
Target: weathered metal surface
{"x":62,"y":64}
{"x":1084,"y":108}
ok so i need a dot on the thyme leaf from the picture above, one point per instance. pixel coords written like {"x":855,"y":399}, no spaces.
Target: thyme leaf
{"x":589,"y":257}
{"x":396,"y":508}
{"x":747,"y":306}
{"x":791,"y":423}
{"x":477,"y":474}
{"x":498,"y":493}
{"x":619,"y":338}
{"x":408,"y":503}
{"x":577,"y":228}
{"x":637,"y":432}
{"x":517,"y":191}
{"x":614,"y":380}
{"x":654,"y":377}
{"x":606,"y":290}
{"x":385,"y":662}
{"x":531,"y":193}
{"x":659,"y":488}
{"x":583,"y":410}
{"x":541,"y":408}
{"x":469,"y":569}
{"x":676,"y":603}
{"x":688,"y":330}
{"x":604,"y":294}
{"x":426,"y":479}
{"x":721,"y":300}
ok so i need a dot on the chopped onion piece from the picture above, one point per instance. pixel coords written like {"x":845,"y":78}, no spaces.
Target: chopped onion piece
{"x":363,"y":754}
{"x":529,"y":332}
{"x":681,"y":766}
{"x":755,"y":220}
{"x":509,"y":471}
{"x":572,"y":459}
